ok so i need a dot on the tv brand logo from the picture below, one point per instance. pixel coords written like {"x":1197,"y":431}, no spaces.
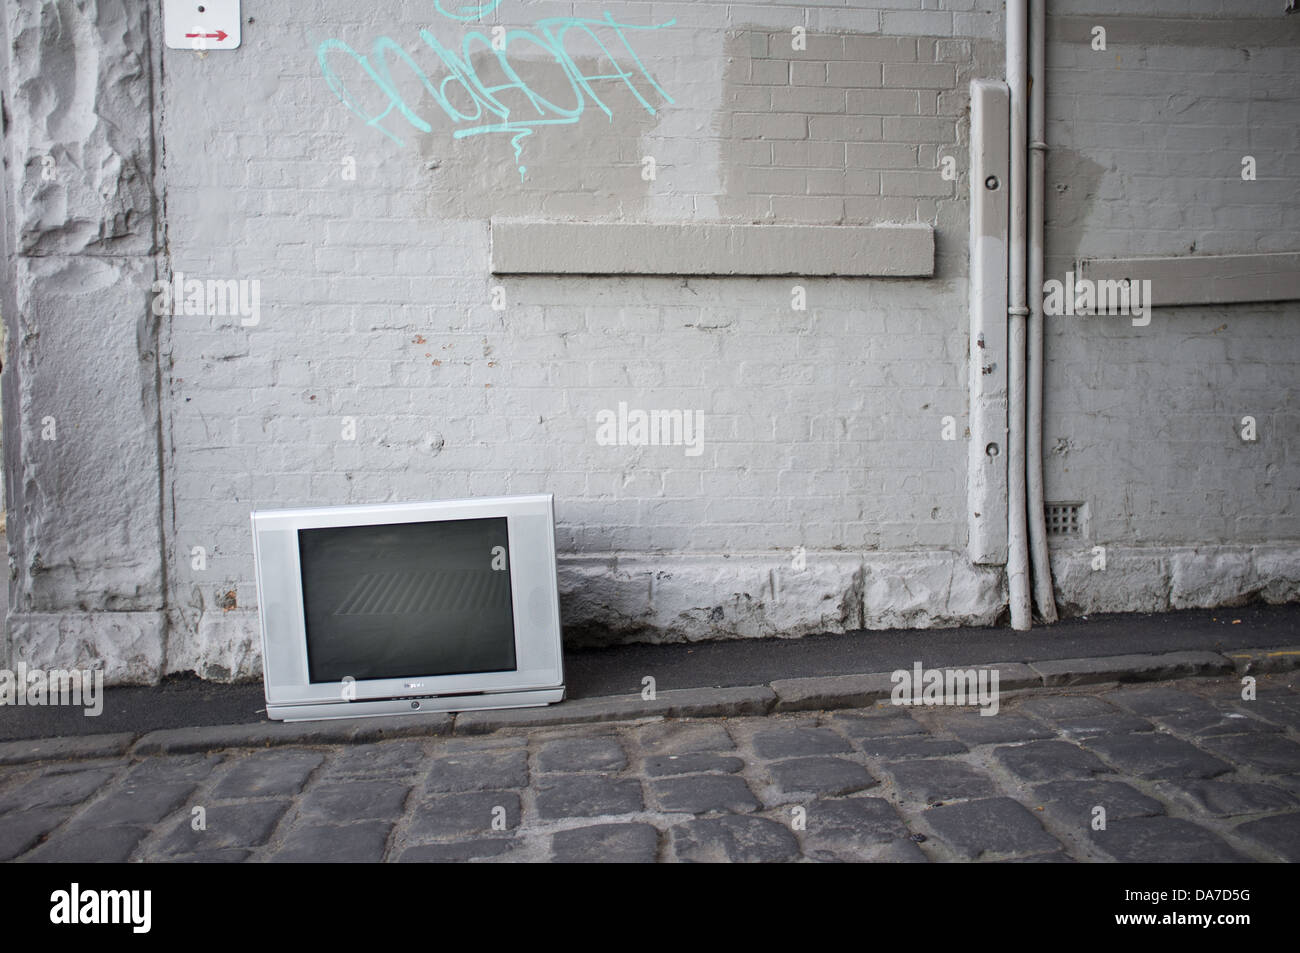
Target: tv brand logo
{"x":102,"y":907}
{"x":655,"y":428}
{"x":83,"y":689}
{"x":216,"y":296}
{"x":934,"y":686}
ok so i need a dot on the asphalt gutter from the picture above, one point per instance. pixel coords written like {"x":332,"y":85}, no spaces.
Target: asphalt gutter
{"x":780,"y":695}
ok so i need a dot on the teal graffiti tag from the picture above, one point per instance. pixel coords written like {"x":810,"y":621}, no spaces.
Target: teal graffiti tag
{"x":468,"y":11}
{"x":475,"y":108}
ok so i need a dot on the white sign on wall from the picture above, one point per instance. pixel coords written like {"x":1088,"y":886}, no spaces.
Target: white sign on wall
{"x":201,"y":24}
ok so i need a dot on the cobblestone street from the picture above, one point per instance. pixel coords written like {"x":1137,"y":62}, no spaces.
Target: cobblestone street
{"x":1183,"y":770}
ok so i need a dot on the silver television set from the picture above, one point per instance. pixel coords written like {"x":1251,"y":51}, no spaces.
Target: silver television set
{"x":403,"y":608}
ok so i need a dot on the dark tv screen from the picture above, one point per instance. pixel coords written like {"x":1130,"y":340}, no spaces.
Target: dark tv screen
{"x":407,"y":599}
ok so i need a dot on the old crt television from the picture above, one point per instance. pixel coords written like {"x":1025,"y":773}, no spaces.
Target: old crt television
{"x":406,"y":608}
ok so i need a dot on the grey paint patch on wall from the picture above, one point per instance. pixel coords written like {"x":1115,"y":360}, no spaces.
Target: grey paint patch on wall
{"x":1071,"y":185}
{"x":590,"y":170}
{"x":851,"y":130}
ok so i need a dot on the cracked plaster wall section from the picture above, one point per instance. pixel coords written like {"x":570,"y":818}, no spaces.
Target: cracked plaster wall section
{"x":81,"y":410}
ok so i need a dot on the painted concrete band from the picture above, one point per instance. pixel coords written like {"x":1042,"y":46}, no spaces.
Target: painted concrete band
{"x":580,"y":248}
{"x":1205,"y":279}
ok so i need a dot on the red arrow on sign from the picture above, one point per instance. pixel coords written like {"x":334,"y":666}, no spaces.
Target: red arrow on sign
{"x":218,"y":36}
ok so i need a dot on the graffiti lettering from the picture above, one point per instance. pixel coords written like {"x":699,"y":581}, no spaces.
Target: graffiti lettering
{"x":477,"y":108}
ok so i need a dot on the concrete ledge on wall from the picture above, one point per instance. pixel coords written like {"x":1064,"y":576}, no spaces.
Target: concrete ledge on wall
{"x":1205,"y":279}
{"x":1160,"y":578}
{"x":643,"y":597}
{"x":227,"y":646}
{"x":581,"y":248}
{"x":651,"y":597}
{"x":127,"y":646}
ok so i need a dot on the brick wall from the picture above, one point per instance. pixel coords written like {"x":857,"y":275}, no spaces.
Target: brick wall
{"x":1144,"y":423}
{"x":823,"y":428}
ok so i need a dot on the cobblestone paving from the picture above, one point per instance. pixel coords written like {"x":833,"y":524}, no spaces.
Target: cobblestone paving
{"x":1184,"y":771}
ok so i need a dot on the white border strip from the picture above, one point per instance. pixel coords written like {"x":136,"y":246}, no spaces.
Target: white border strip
{"x":986,"y":484}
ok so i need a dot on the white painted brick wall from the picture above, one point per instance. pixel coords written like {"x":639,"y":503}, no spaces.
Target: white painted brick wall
{"x":1147,"y":137}
{"x":822,"y":428}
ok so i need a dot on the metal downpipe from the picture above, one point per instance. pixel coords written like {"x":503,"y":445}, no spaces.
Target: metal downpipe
{"x":1039,"y":557}
{"x":1017,"y":70}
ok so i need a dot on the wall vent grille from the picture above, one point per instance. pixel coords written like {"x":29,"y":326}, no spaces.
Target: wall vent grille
{"x":1064,"y":520}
